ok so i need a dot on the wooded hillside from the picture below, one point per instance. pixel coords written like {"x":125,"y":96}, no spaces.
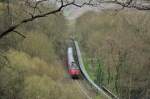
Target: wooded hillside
{"x":117,"y":50}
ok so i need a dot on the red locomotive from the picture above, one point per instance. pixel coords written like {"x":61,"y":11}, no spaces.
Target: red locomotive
{"x":73,"y":69}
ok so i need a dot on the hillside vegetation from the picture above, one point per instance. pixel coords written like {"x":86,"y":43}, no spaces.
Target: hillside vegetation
{"x":116,"y":49}
{"x":31,"y":67}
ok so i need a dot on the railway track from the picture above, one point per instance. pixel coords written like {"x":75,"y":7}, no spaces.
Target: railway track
{"x":83,"y":89}
{"x":101,"y":89}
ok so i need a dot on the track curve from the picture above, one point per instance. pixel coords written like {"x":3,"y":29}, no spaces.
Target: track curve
{"x":100,"y":89}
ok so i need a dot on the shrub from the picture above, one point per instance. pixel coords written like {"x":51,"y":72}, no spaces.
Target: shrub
{"x":38,"y":44}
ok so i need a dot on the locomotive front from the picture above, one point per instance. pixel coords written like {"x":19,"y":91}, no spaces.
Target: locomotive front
{"x":73,"y":69}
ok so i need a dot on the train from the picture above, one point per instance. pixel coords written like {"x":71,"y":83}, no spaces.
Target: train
{"x":73,"y":68}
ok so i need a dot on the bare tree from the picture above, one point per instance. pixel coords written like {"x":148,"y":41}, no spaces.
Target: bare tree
{"x":34,"y":4}
{"x":33,"y":16}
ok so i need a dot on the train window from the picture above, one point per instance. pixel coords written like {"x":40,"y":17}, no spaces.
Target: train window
{"x":74,"y":66}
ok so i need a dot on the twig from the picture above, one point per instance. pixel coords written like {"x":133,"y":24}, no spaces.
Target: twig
{"x":19,"y":34}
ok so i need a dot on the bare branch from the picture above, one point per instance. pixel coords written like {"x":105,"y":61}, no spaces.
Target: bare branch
{"x":35,"y":5}
{"x":65,"y":3}
{"x":127,"y":4}
{"x":19,"y":34}
{"x":89,"y":3}
{"x":31,"y":14}
{"x":12,"y":28}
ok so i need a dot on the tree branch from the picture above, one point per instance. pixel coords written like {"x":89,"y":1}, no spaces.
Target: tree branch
{"x":33,"y":17}
{"x":20,"y":34}
{"x":12,"y":28}
{"x":89,"y":3}
{"x":65,"y":3}
{"x":128,"y":4}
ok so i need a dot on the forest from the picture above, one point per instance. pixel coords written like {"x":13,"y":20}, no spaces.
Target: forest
{"x":115,"y":47}
{"x":31,"y":65}
{"x":116,"y":50}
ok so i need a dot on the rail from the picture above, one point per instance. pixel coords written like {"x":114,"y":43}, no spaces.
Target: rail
{"x":100,"y":89}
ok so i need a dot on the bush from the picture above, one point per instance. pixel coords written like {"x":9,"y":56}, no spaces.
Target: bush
{"x":38,"y":44}
{"x":40,"y":87}
{"x":31,"y":78}
{"x":24,"y":63}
